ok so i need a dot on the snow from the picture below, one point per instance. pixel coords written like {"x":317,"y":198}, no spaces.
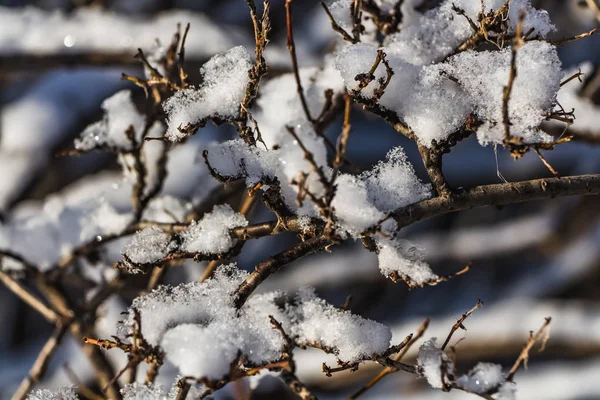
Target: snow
{"x":219,"y":96}
{"x":167,"y":306}
{"x":64,"y":393}
{"x":397,"y":256}
{"x":362,"y":201}
{"x":211,"y":235}
{"x":120,"y":115}
{"x":62,"y":224}
{"x":58,"y":100}
{"x":353,"y":338}
{"x":436,"y":106}
{"x":202,"y":333}
{"x":483,"y":75}
{"x":139,"y":391}
{"x":439,"y":31}
{"x":279,"y":105}
{"x":430,"y":361}
{"x":482,"y":378}
{"x":149,"y":245}
{"x":392,"y":183}
{"x":235,"y":159}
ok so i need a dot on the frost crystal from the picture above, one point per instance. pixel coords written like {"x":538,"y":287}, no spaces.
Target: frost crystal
{"x":430,"y":361}
{"x":120,"y":115}
{"x":211,"y":234}
{"x":219,"y":95}
{"x":149,"y":245}
{"x":64,"y":393}
{"x":353,"y":338}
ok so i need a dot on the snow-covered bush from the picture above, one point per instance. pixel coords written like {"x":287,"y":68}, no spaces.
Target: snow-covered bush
{"x":187,"y":196}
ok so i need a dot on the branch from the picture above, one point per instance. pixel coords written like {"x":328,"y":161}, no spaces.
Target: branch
{"x":499,"y":194}
{"x":524,"y":356}
{"x":459,"y":323}
{"x":23,"y":293}
{"x":41,"y":363}
{"x":292,"y":49}
{"x":263,"y":270}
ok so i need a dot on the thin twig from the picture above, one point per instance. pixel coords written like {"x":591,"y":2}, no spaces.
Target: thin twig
{"x":524,"y":356}
{"x":459,"y":323}
{"x":292,"y":49}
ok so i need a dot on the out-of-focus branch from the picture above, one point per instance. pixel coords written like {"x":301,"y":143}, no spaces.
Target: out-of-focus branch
{"x":11,"y":63}
{"x":41,"y":362}
{"x":25,"y":295}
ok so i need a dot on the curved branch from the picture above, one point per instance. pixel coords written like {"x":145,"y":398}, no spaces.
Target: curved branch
{"x":271,"y":265}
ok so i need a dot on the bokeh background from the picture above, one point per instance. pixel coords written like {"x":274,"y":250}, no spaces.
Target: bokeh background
{"x":59,"y":59}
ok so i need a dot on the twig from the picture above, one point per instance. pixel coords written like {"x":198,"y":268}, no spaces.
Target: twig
{"x":41,"y":362}
{"x":524,"y":356}
{"x":336,"y":27}
{"x":24,"y":294}
{"x":274,"y":263}
{"x":459,"y":323}
{"x":397,"y":357}
{"x":573,"y":38}
{"x":292,"y":49}
{"x":507,"y":90}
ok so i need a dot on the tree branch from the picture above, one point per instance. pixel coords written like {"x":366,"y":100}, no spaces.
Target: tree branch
{"x":263,"y":270}
{"x":499,"y":194}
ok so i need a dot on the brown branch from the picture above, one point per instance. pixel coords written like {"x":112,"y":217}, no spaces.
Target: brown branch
{"x":499,"y":194}
{"x":24,"y":294}
{"x":432,"y":158}
{"x":268,"y":267}
{"x":507,"y":90}
{"x":292,"y":49}
{"x":336,"y":27}
{"x":41,"y":363}
{"x":459,"y":323}
{"x":397,"y":357}
{"x":573,"y":38}
{"x":524,"y":356}
{"x":297,"y":386}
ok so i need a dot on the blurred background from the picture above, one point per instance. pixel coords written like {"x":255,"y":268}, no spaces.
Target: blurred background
{"x":59,"y":59}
